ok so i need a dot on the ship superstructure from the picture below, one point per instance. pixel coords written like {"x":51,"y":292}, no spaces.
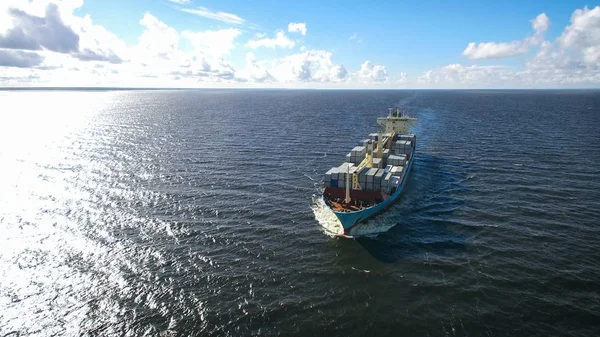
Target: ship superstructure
{"x":374,"y":173}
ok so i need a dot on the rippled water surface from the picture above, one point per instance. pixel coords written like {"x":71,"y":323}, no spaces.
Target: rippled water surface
{"x":194,"y":213}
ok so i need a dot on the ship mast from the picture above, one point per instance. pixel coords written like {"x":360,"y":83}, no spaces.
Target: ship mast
{"x":347,"y":200}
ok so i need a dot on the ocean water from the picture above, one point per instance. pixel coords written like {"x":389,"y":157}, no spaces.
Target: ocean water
{"x":196,"y":213}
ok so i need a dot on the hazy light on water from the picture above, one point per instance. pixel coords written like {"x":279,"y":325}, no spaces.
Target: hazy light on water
{"x":39,"y":136}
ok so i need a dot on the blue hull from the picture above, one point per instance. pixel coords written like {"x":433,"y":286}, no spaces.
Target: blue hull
{"x":350,"y":220}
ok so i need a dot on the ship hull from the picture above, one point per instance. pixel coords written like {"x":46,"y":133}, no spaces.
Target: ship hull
{"x":351,"y":220}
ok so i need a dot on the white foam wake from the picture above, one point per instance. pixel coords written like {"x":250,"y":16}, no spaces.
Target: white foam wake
{"x":330,"y":224}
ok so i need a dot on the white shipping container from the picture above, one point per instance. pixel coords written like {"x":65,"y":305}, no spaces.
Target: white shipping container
{"x":359,"y":149}
{"x":397,"y":171}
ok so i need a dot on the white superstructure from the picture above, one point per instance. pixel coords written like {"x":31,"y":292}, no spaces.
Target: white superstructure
{"x":397,"y":123}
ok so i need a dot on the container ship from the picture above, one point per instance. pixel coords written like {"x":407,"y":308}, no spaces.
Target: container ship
{"x":374,"y":173}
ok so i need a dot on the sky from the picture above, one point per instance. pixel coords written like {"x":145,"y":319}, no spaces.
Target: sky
{"x":302,"y":44}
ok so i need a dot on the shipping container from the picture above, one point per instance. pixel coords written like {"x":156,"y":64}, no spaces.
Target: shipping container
{"x":379,"y":176}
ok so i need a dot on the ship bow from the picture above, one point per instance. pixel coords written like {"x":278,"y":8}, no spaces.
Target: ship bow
{"x":349,"y":220}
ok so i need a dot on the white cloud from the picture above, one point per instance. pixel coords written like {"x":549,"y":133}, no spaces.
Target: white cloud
{"x":572,"y":60}
{"x":180,"y":2}
{"x":219,"y":16}
{"x":159,"y":55}
{"x":46,"y":25}
{"x":583,"y":34}
{"x":32,"y":32}
{"x":370,"y":73}
{"x":45,"y":42}
{"x":157,"y":40}
{"x":19,"y":59}
{"x":459,"y":76}
{"x":309,"y":66}
{"x":541,"y":23}
{"x":214,"y":42}
{"x":255,"y":71}
{"x":297,"y":27}
{"x":491,"y":50}
{"x":96,"y":43}
{"x":280,"y":40}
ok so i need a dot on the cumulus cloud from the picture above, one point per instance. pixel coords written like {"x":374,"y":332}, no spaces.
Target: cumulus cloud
{"x":541,"y":23}
{"x":96,"y":43}
{"x":49,"y":26}
{"x":372,"y":73}
{"x":158,"y":39}
{"x":310,"y":66}
{"x":583,"y":34}
{"x":215,"y":15}
{"x":297,"y":27}
{"x":217,"y":42}
{"x":19,"y":59}
{"x":255,"y":72}
{"x":47,"y":42}
{"x":280,"y":40}
{"x":491,"y":50}
{"x":32,"y":32}
{"x":90,"y":55}
{"x":460,"y":76}
{"x":159,"y":54}
{"x":572,"y":60}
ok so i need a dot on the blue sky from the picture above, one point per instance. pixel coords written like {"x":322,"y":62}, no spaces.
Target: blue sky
{"x":402,"y":40}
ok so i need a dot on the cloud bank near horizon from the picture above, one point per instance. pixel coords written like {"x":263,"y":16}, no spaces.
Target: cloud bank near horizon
{"x":44,"y":42}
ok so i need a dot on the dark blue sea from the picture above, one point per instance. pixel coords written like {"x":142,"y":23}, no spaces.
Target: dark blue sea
{"x":196,"y":213}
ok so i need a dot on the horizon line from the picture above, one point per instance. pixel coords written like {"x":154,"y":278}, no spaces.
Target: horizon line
{"x":125,"y":88}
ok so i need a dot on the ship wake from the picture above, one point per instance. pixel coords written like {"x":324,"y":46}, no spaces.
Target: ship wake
{"x":330,"y":224}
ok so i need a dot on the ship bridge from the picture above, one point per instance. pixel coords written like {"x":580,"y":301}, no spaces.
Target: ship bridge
{"x":396,"y":123}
